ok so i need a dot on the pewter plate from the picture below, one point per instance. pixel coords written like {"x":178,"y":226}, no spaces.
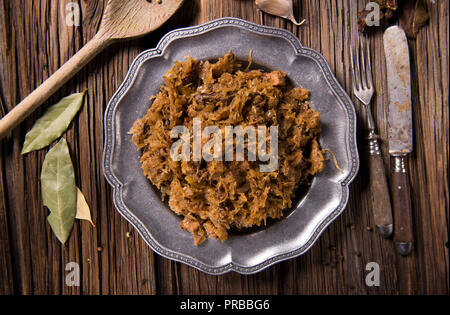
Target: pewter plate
{"x":252,"y":251}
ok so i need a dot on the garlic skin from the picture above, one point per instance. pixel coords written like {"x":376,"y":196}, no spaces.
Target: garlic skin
{"x":281,"y":8}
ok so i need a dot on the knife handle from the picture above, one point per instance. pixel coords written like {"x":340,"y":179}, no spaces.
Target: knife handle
{"x":401,"y":196}
{"x":381,"y":202}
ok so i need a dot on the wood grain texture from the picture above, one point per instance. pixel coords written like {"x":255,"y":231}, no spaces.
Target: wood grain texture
{"x":35,"y":42}
{"x":401,"y":199}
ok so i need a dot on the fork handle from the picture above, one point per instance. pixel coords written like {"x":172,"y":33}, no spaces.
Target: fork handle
{"x":381,"y":203}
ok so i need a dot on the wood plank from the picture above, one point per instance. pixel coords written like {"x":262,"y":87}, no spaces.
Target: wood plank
{"x":113,"y":257}
{"x":6,"y":274}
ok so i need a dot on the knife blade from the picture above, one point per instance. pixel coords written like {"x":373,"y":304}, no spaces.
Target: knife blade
{"x":400,"y":133}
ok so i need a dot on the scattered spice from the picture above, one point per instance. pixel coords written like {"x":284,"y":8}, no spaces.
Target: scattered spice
{"x":59,"y":192}
{"x":388,"y":9}
{"x":413,"y":15}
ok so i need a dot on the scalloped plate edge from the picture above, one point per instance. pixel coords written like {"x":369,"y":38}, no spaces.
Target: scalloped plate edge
{"x":340,"y":94}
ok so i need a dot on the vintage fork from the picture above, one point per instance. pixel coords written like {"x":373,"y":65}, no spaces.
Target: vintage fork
{"x":364,"y":90}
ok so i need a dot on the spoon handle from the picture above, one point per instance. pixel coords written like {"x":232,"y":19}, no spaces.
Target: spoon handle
{"x":52,"y":84}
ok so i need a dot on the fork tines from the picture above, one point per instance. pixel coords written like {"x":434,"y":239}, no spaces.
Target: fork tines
{"x":362,"y":70}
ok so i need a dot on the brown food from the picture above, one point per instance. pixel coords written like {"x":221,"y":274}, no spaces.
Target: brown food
{"x":215,"y":197}
{"x":413,"y":15}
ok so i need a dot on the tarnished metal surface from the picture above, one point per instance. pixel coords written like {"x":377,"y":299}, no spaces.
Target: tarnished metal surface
{"x":249,"y":251}
{"x":399,"y":89}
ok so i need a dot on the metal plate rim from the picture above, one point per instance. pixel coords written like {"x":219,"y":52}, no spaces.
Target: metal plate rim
{"x":109,"y":130}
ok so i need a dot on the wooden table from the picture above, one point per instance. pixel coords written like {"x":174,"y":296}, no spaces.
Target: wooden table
{"x":35,"y":41}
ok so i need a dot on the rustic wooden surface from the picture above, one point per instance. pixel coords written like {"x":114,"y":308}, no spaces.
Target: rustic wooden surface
{"x":35,"y":41}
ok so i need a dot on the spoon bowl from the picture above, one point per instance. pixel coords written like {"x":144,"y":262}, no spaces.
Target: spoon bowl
{"x":132,"y":19}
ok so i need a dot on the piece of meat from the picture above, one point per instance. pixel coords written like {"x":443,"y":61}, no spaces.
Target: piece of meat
{"x":276,"y":78}
{"x":194,"y":227}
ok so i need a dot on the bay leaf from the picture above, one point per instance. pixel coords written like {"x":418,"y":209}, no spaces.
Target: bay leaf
{"x":83,"y":211}
{"x":59,"y":192}
{"x":53,"y":123}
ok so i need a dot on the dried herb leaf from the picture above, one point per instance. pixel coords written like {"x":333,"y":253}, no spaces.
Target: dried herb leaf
{"x":388,"y":10}
{"x":59,"y":192}
{"x":415,"y":16}
{"x":83,"y":211}
{"x":53,"y":123}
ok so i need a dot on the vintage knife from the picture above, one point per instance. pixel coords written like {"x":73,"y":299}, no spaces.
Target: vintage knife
{"x":400,"y":133}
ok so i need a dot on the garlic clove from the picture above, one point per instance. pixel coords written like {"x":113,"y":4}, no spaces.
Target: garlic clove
{"x":281,"y":8}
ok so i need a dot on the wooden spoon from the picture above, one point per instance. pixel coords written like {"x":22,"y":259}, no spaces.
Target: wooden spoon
{"x":122,"y":19}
